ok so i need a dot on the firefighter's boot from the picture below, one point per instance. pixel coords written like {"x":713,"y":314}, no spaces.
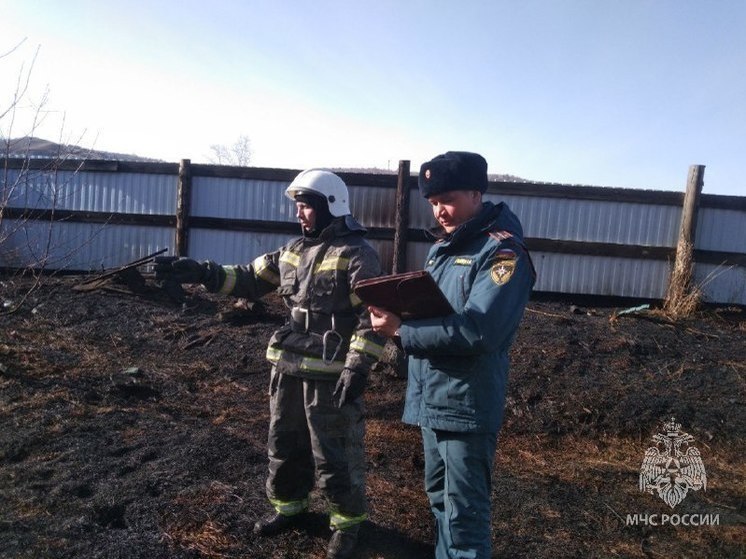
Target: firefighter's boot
{"x":275,"y":524}
{"x":342,"y":543}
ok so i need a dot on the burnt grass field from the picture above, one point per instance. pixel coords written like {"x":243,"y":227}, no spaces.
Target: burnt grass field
{"x":134,"y":426}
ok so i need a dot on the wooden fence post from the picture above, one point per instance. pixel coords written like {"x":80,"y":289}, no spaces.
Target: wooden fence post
{"x":183,"y":207}
{"x":401,"y":223}
{"x":680,"y":284}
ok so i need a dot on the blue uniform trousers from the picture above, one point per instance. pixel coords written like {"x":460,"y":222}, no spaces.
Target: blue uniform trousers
{"x":458,"y":476}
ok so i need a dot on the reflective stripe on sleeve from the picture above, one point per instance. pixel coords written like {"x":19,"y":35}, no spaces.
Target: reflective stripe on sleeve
{"x":358,"y":343}
{"x":230,"y":280}
{"x":263,"y":271}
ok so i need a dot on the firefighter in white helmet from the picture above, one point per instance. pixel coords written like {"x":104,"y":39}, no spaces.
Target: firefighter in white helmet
{"x":320,"y":357}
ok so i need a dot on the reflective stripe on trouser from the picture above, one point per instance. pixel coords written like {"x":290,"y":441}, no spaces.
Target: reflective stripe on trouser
{"x":343,"y":521}
{"x":458,"y":470}
{"x":309,"y":434}
{"x":289,"y":508}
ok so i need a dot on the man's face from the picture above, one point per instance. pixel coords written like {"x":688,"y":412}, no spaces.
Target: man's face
{"x":306,"y":215}
{"x":455,"y":207}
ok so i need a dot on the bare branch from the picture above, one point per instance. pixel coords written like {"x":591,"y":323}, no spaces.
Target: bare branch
{"x":14,"y":48}
{"x":22,"y":85}
{"x":239,"y":154}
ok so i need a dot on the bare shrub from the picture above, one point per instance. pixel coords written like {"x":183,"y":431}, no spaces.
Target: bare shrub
{"x":683,"y":298}
{"x":31,"y":192}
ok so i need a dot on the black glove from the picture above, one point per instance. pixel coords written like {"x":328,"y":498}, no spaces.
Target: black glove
{"x":179,"y":270}
{"x":350,"y":387}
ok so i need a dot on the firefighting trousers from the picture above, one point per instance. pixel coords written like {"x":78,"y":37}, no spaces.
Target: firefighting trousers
{"x":312,"y":440}
{"x":458,"y":474}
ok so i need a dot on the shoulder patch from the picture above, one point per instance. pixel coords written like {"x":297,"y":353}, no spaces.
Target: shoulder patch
{"x":503,"y":266}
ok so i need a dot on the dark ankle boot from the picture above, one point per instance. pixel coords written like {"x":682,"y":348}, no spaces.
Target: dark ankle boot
{"x":275,"y":524}
{"x":342,"y":543}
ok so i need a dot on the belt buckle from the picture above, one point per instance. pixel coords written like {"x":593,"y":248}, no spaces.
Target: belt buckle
{"x":306,"y":317}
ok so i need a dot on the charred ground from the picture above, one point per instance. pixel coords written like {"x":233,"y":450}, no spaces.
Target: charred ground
{"x":134,"y":426}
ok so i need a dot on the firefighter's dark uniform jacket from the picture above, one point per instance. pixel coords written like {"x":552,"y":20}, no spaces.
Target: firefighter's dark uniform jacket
{"x":314,"y":277}
{"x":458,"y":365}
{"x":328,"y":330}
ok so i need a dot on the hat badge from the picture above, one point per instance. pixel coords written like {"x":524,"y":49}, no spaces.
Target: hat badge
{"x":427,"y":174}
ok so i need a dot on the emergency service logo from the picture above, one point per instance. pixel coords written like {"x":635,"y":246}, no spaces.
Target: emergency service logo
{"x":672,"y":467}
{"x":503,"y":266}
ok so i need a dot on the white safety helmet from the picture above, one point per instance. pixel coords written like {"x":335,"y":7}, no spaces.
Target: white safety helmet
{"x":323,"y":183}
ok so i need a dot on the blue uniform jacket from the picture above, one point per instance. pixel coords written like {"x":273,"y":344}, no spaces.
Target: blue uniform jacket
{"x":458,"y":364}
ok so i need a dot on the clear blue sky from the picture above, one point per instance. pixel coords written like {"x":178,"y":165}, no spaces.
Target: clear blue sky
{"x":605,"y":92}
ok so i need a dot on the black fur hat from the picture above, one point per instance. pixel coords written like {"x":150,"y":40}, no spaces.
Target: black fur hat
{"x":454,"y":170}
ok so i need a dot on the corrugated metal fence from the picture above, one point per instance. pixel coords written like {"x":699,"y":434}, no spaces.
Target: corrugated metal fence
{"x":94,"y":215}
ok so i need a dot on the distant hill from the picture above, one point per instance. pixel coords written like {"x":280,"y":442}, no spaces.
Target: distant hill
{"x":38,"y":148}
{"x":377,"y":171}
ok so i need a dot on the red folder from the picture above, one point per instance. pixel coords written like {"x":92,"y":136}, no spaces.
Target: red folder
{"x":410,"y":295}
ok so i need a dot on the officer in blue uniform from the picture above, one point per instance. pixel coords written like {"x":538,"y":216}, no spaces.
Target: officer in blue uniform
{"x":458,"y":364}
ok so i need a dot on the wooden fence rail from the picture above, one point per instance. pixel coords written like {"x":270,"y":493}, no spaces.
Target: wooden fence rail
{"x":398,"y":228}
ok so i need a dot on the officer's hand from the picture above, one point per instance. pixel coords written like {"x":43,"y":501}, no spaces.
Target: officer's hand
{"x":350,"y":387}
{"x":178,"y":270}
{"x":384,"y":322}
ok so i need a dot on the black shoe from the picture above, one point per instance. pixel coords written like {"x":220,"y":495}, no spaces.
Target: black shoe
{"x":275,"y":524}
{"x":342,"y":543}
